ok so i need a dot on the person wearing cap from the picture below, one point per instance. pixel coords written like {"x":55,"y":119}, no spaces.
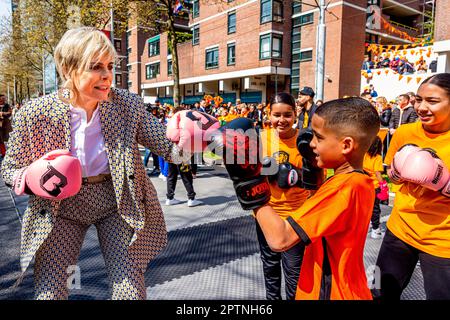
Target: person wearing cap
{"x":308,"y":107}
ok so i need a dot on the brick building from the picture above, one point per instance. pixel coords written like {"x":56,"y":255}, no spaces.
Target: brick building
{"x":248,"y":49}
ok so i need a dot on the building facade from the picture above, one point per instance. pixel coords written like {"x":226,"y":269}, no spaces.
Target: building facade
{"x":250,"y":49}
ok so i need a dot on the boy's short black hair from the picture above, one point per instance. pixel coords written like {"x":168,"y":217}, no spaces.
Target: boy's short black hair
{"x":355,"y":117}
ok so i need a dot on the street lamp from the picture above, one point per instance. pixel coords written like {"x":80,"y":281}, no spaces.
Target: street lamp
{"x":276,"y":64}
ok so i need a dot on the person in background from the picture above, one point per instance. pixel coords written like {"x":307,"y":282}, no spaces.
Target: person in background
{"x":373,"y":164}
{"x":307,"y":105}
{"x":5,"y":123}
{"x":404,"y":113}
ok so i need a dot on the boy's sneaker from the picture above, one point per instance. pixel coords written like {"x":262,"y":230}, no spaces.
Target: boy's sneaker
{"x":376,"y":234}
{"x":194,"y":202}
{"x":171,"y":202}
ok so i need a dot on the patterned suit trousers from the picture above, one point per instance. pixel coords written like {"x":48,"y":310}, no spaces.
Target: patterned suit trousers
{"x":94,"y":204}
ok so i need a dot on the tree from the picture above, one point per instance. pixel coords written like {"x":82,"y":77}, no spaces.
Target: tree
{"x":39,"y":25}
{"x":160,"y":15}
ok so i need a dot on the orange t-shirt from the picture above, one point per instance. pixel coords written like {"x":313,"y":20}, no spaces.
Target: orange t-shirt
{"x":372,"y":165}
{"x":420,"y":216}
{"x":333,"y":224}
{"x":283,"y":201}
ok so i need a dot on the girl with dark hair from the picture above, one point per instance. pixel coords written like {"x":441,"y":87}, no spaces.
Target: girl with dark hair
{"x":419,"y":226}
{"x":279,"y":145}
{"x":373,"y":164}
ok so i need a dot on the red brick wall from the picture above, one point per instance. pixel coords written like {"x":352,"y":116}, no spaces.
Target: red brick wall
{"x":442,"y":27}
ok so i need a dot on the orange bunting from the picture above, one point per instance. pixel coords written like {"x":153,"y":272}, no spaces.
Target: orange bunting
{"x":378,"y":72}
{"x":408,"y":79}
{"x":418,"y":79}
{"x":400,"y":77}
{"x":386,"y":71}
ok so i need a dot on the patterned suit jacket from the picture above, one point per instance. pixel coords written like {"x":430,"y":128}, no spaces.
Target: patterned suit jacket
{"x":43,"y":125}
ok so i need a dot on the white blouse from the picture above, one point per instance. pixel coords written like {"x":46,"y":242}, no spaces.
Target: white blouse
{"x":87,"y":142}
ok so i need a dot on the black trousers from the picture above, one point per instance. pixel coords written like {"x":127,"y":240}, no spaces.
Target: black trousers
{"x":397,"y":261}
{"x":376,"y":212}
{"x":290,"y":260}
{"x":186,"y":177}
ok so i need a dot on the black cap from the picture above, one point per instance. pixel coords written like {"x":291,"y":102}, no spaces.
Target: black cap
{"x":307,"y":91}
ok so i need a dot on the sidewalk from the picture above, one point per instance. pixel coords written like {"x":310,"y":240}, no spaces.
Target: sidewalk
{"x":212,"y":251}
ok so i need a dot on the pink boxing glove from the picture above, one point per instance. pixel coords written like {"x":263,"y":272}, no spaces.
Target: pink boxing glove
{"x":384,"y":191}
{"x":191,"y":130}
{"x":397,"y":163}
{"x":425,"y":168}
{"x":55,"y":176}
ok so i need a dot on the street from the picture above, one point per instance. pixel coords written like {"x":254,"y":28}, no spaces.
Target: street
{"x":212,"y":251}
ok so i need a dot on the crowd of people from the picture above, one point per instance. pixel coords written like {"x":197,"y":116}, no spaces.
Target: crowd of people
{"x":76,"y":153}
{"x":399,"y":64}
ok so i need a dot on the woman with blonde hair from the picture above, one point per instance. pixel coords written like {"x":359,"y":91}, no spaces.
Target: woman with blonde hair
{"x":384,"y":110}
{"x":99,"y":128}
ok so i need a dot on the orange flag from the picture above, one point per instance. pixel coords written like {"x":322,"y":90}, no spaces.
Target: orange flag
{"x":400,"y":77}
{"x":408,"y":79}
{"x":405,"y":46}
{"x":378,"y":72}
{"x":418,"y":79}
{"x":413,"y":51}
{"x":386,"y":71}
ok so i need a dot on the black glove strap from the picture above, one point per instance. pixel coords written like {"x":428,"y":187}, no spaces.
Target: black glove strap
{"x":253,"y":193}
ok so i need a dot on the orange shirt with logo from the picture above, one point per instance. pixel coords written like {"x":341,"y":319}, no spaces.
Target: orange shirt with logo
{"x":283,"y":201}
{"x":420,"y":216}
{"x":333,"y":224}
{"x":372,"y":165}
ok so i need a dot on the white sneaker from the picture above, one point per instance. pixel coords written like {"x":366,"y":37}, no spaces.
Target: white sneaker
{"x":376,"y":234}
{"x":163,"y":177}
{"x":171,"y":202}
{"x":194,"y":202}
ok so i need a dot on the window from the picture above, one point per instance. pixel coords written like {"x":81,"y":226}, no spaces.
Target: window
{"x":231,"y":54}
{"x":151,"y":70}
{"x":296,"y":7}
{"x":271,"y":10}
{"x":118,"y":80}
{"x":303,"y":20}
{"x":118,"y":45}
{"x":212,"y":58}
{"x":277,"y":44}
{"x":195,"y":8}
{"x":153,"y":48}
{"x":270,"y":46}
{"x":306,"y":55}
{"x":231,"y":22}
{"x":169,"y":67}
{"x":129,"y":50}
{"x":266,"y":11}
{"x":130,"y":84}
{"x":195,"y":35}
{"x":277,"y":11}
